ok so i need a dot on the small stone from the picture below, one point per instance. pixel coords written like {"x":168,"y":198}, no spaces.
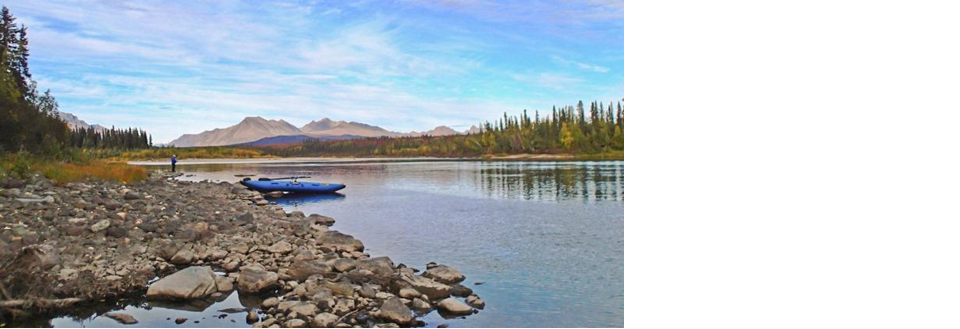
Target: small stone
{"x":393,"y":310}
{"x":281,"y":247}
{"x":252,"y":317}
{"x":409,"y":293}
{"x":180,"y":320}
{"x":444,"y":274}
{"x":475,"y":302}
{"x":100,"y":226}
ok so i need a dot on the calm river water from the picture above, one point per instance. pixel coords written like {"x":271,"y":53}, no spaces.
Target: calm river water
{"x":545,"y":239}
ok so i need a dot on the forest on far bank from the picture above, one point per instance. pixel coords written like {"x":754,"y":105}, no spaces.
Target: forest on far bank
{"x":596,"y":132}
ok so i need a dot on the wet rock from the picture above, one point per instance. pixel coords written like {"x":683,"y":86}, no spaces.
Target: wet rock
{"x":460,"y":290}
{"x":444,"y":274}
{"x":322,"y":220}
{"x":301,"y":270}
{"x":252,"y":316}
{"x":100,"y":226}
{"x":123,"y":318}
{"x":454,"y":307}
{"x":394,"y":311}
{"x":274,"y":194}
{"x":324,"y":320}
{"x":420,"y":306}
{"x":476,"y":302}
{"x":189,"y":283}
{"x":180,"y":320}
{"x":432,"y":289}
{"x":254,"y":279}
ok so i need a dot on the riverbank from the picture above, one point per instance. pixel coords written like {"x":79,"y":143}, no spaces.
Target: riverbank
{"x":346,"y":160}
{"x":81,"y":243}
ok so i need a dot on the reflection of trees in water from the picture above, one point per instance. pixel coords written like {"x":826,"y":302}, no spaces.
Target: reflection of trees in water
{"x":560,"y":181}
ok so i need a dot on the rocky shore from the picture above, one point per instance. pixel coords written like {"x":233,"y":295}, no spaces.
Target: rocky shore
{"x":188,"y":243}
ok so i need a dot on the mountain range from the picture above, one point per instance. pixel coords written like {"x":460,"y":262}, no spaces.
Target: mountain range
{"x":260,"y":131}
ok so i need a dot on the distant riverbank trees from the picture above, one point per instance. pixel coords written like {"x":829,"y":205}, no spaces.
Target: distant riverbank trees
{"x":572,"y":130}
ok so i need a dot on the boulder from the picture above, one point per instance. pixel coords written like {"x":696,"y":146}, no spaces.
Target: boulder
{"x":189,"y":283}
{"x":454,"y":307}
{"x":255,"y":279}
{"x":344,"y":264}
{"x":394,"y":311}
{"x":432,"y":289}
{"x":381,"y":266}
{"x":340,"y":242}
{"x":301,"y":270}
{"x":444,"y":274}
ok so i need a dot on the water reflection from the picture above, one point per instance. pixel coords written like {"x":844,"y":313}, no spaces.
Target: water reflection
{"x":296,"y":200}
{"x":552,"y":182}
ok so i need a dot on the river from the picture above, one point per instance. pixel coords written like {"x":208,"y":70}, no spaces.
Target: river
{"x":540,"y":242}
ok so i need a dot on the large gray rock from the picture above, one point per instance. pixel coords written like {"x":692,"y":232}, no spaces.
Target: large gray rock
{"x":434,"y":290}
{"x":381,"y":266}
{"x":301,"y":270}
{"x":255,"y":279}
{"x":189,"y":283}
{"x":394,"y":311}
{"x":444,"y":274}
{"x":454,"y":306}
{"x":340,"y":241}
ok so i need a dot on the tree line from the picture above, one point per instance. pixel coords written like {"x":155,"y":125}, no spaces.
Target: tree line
{"x":30,"y":120}
{"x":123,"y":139}
{"x":573,"y":130}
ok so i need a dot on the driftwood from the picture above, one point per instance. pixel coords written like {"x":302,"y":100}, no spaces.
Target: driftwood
{"x":40,"y":303}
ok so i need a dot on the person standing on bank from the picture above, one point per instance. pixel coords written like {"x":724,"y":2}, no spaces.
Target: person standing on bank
{"x":173,"y":163}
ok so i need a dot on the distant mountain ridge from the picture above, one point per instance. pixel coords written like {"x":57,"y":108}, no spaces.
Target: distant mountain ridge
{"x":74,"y":122}
{"x":259,"y":131}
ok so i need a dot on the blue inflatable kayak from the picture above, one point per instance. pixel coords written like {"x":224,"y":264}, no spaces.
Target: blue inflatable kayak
{"x":270,"y":185}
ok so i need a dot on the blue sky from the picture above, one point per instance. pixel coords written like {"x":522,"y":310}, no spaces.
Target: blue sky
{"x":186,"y":66}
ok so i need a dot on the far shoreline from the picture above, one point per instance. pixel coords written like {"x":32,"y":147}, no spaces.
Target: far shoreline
{"x":348,"y":160}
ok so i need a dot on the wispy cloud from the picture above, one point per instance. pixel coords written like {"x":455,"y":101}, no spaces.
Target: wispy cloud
{"x":178,"y":67}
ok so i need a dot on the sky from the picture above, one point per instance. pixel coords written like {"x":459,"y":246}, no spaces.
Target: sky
{"x":188,"y":66}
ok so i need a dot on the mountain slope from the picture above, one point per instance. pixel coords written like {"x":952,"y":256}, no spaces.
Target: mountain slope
{"x":327,"y":127}
{"x":248,"y":130}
